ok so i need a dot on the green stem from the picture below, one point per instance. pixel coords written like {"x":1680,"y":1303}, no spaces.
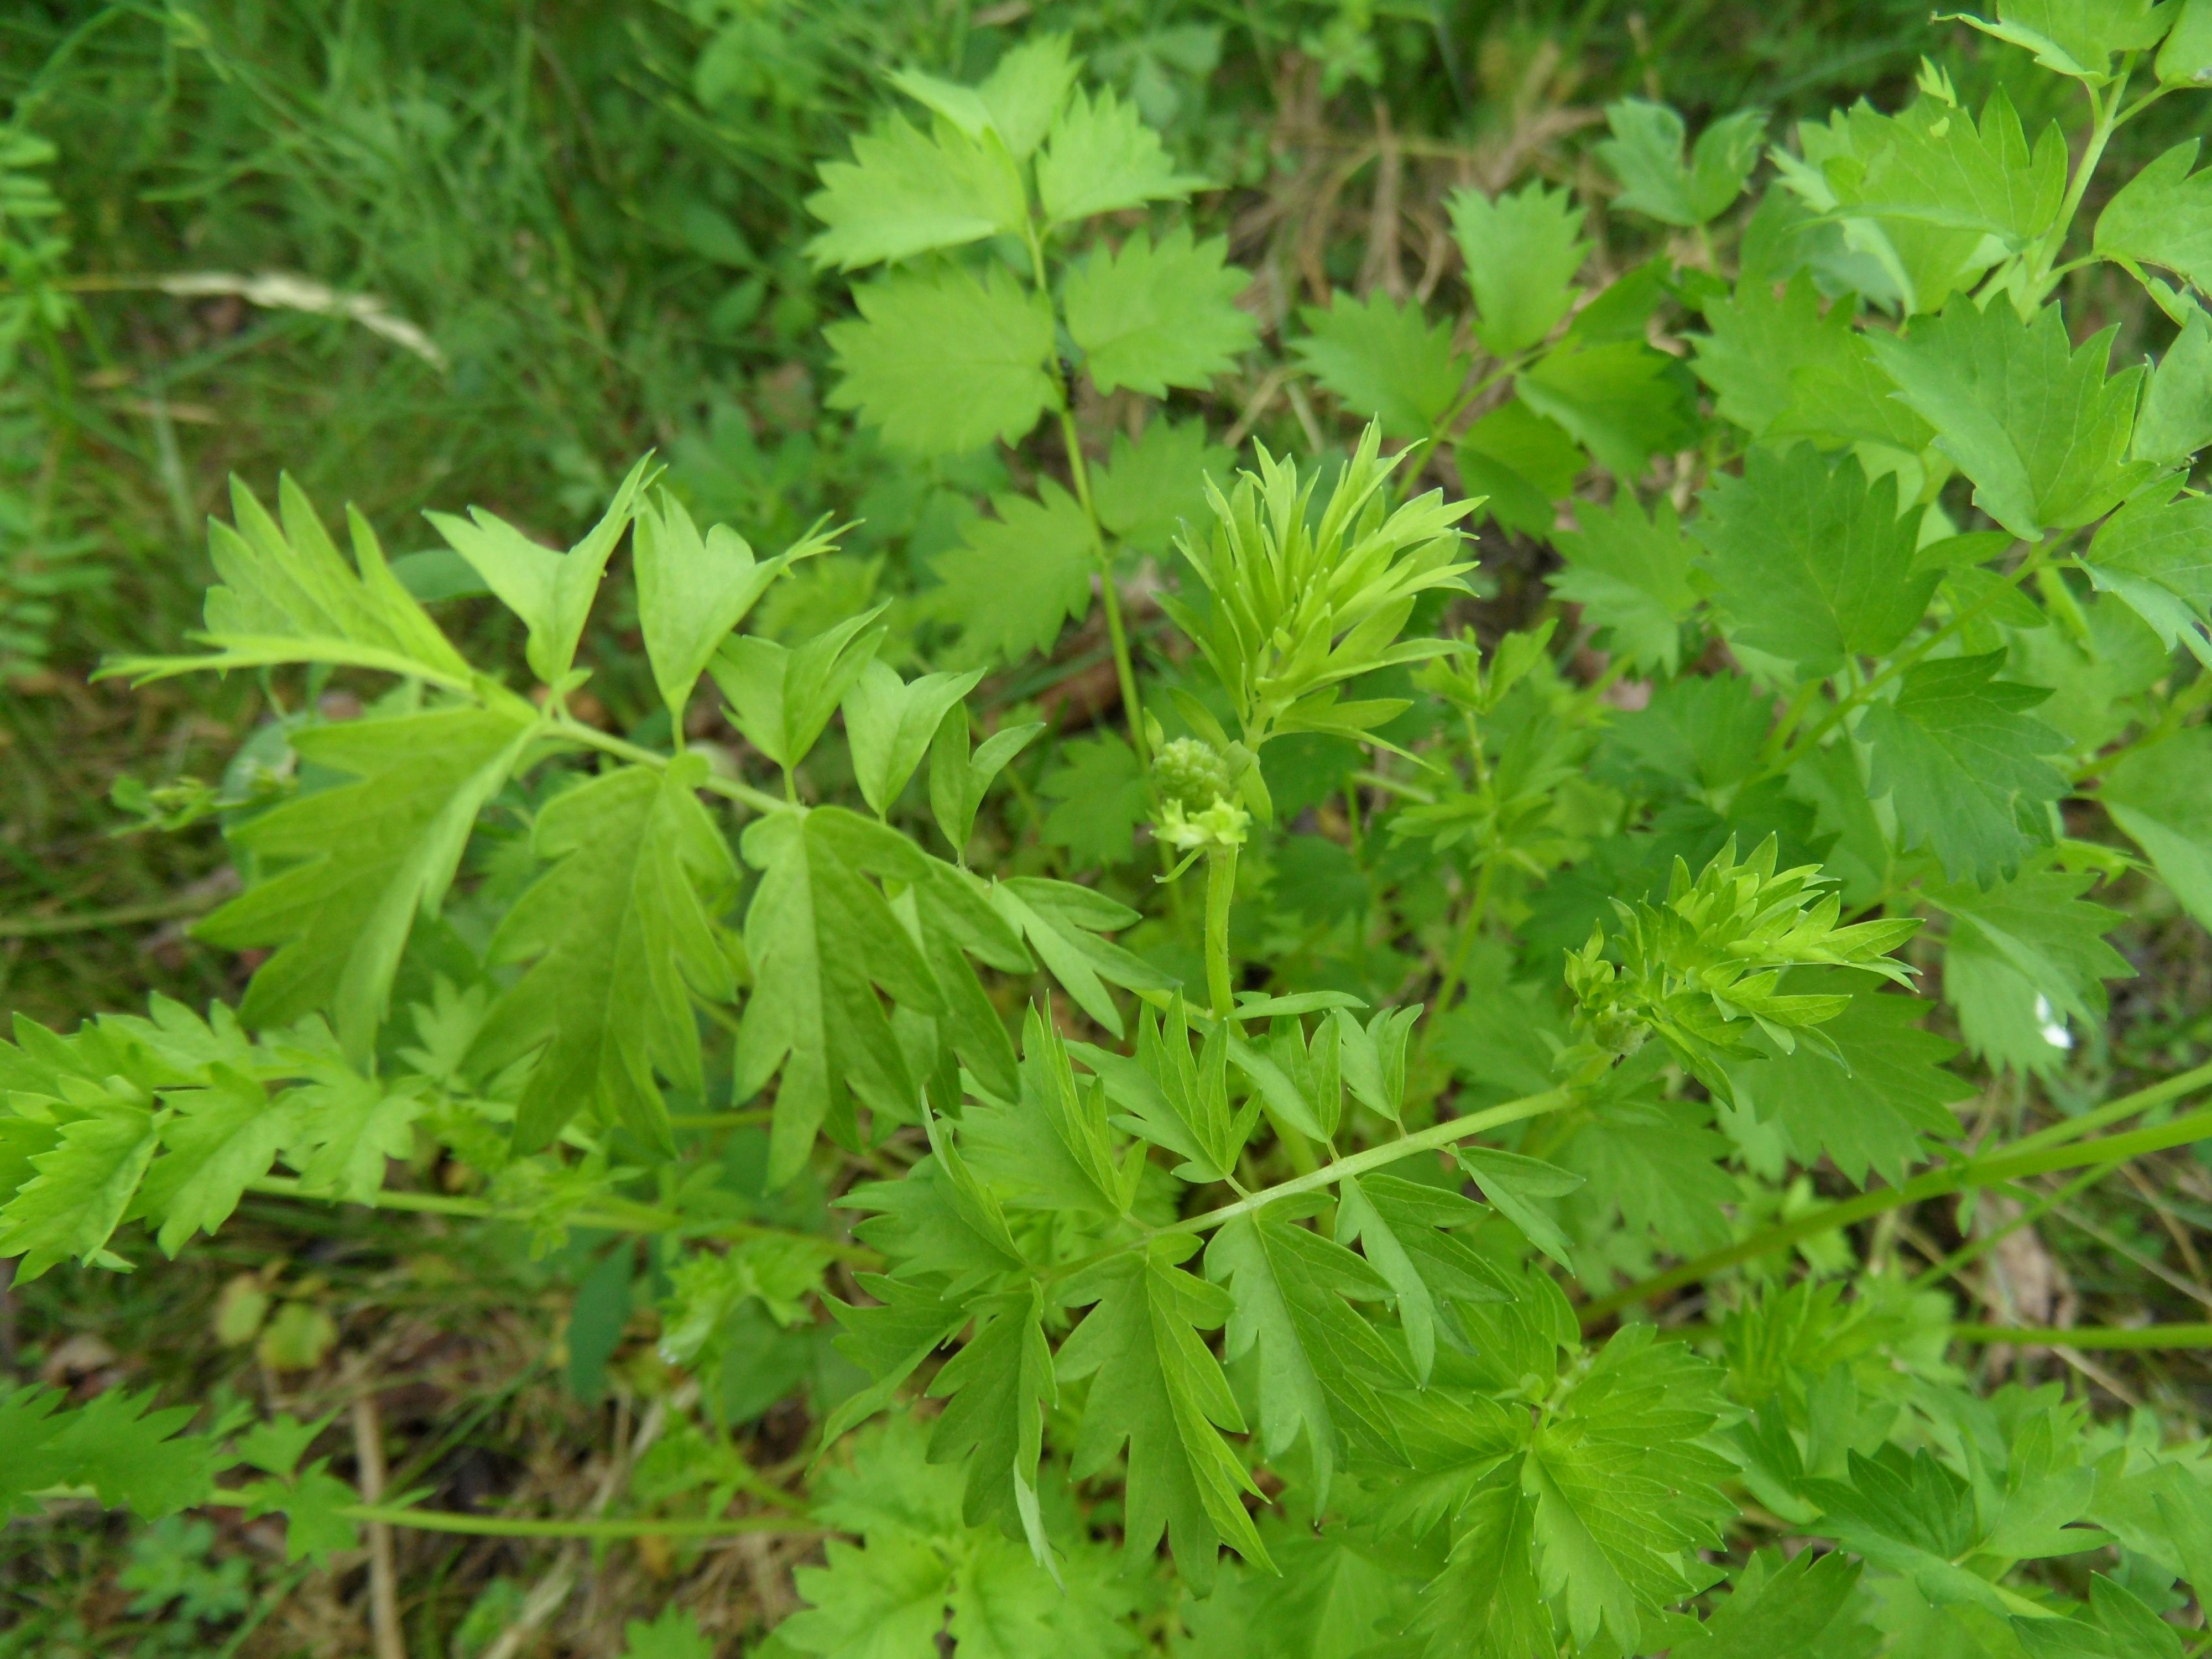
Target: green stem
{"x":2093,"y":1336}
{"x":91,"y":921}
{"x":497,"y":1526}
{"x":613,"y":1215}
{"x":1449,"y":1132}
{"x":2107,"y":120}
{"x":569,"y":728}
{"x":1220,"y":895}
{"x":1991,"y":1170}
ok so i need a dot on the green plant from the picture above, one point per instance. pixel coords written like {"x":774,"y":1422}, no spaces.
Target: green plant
{"x":526,"y":953}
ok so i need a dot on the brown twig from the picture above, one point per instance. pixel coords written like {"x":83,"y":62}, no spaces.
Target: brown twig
{"x":383,"y":1574}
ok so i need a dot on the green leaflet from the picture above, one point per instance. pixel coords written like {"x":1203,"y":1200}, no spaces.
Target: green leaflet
{"x":1487,"y":1604}
{"x":997,"y":1388}
{"x":2163,"y":217}
{"x":1384,"y":359}
{"x":1052,"y":1149}
{"x":2155,"y":553}
{"x":693,"y":591}
{"x":1177,"y":1101}
{"x":132,"y":1456}
{"x":1016,"y":580}
{"x":1521,"y":462}
{"x":1631,"y":573}
{"x":1151,"y":316}
{"x":1100,"y":158}
{"x":944,"y":362}
{"x":2161,"y":795}
{"x":1521,"y":252}
{"x":215,"y":1141}
{"x":340,"y":922}
{"x":1798,"y":1610}
{"x":1062,"y":922}
{"x":959,"y":779}
{"x":286,"y":595}
{"x":1645,"y":154}
{"x":781,"y":697}
{"x":1148,"y":490}
{"x":2024,"y":955}
{"x":1100,"y":795}
{"x":1962,"y":759}
{"x":346,"y":1126}
{"x":1403,"y":1228}
{"x":821,"y":936}
{"x":620,"y":933}
{"x":1016,"y":101}
{"x":1322,"y":1368}
{"x":1620,"y":400}
{"x":2176,"y":418}
{"x":1516,"y":1185}
{"x":1814,"y":563}
{"x":2032,"y":421}
{"x":675,"y":1634}
{"x":889,"y":724}
{"x":1156,"y":1387}
{"x":1868,"y":1106}
{"x":906,"y":191}
{"x":1940,"y":168}
{"x":552,"y":593}
{"x":1625,"y":1494}
{"x":81,"y":1187}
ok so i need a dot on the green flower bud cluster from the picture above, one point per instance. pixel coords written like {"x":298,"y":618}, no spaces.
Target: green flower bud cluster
{"x":1191,"y":773}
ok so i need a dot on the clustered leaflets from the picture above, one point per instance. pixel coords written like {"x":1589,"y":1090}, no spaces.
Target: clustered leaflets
{"x":1244,"y":1288}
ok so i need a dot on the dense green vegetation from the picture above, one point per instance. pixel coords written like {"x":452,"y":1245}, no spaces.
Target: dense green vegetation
{"x":1135,"y":827}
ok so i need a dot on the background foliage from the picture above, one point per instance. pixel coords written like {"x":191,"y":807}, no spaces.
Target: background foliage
{"x":426,"y":258}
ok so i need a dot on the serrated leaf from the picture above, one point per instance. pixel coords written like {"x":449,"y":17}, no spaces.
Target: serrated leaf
{"x":1147,"y":492}
{"x":1016,"y":580}
{"x":889,"y":1340}
{"x":286,"y":595}
{"x":1516,"y":1184}
{"x":1625,"y":1494}
{"x":2176,"y":419}
{"x":1062,"y":923}
{"x":1384,"y":359}
{"x":1797,"y":1610}
{"x":2163,"y":217}
{"x":131,"y":1455}
{"x":1659,"y":1166}
{"x":2185,"y":59}
{"x":890,"y":722}
{"x":1100,"y":158}
{"x":1403,"y":1228}
{"x":1016,"y":101}
{"x":1619,"y":400}
{"x":1487,"y":1604}
{"x":2155,"y":553}
{"x":219,"y":1139}
{"x":821,"y":937}
{"x":886,"y":1601}
{"x":1521,"y":252}
{"x":693,"y":591}
{"x":72,"y":1205}
{"x":1814,"y":563}
{"x":1322,"y":1367}
{"x":1870,"y":1110}
{"x":2033,"y":422}
{"x":906,"y":191}
{"x":1158,"y":1388}
{"x":1151,"y":316}
{"x":675,"y":1634}
{"x":1052,"y":1149}
{"x":781,"y":696}
{"x":345,"y":1127}
{"x":997,"y":1390}
{"x":2032,"y":937}
{"x":340,"y":919}
{"x":1521,"y":463}
{"x":1645,"y":154}
{"x":551,"y":592}
{"x":1963,"y":761}
{"x":2161,"y":795}
{"x":1631,"y":574}
{"x":1940,"y":168}
{"x":619,"y":932}
{"x":944,"y":362}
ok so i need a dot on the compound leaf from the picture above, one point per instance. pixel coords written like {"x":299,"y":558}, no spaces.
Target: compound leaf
{"x":1630,"y":573}
{"x":944,"y":362}
{"x":1100,"y":158}
{"x":2163,"y":217}
{"x":906,"y":191}
{"x":619,"y":932}
{"x":1154,"y":315}
{"x":1521,"y":252}
{"x":1382,"y":358}
{"x":1963,"y":762}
